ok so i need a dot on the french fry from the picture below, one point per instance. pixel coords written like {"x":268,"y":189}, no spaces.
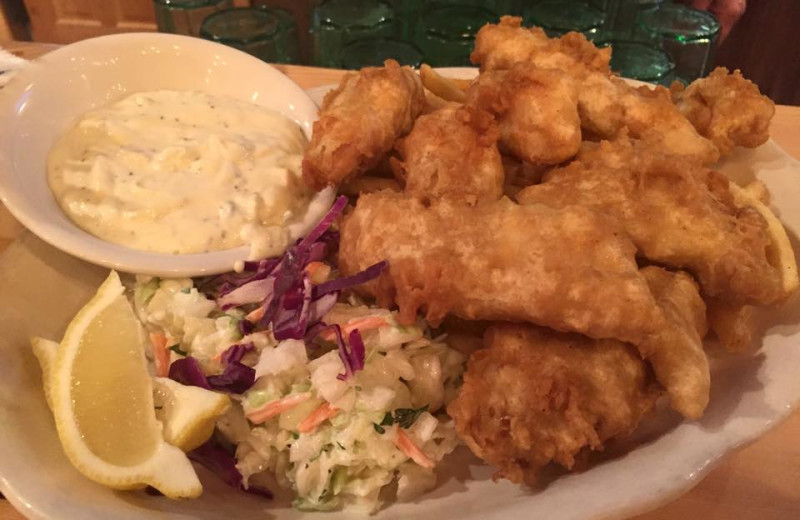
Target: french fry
{"x":446,"y":88}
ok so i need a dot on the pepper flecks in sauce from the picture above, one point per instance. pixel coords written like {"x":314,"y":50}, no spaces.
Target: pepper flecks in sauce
{"x":182,"y":172}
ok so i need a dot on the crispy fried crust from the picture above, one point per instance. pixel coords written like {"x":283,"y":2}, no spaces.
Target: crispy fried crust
{"x":452,"y":153}
{"x":678,"y":214}
{"x":499,"y":260}
{"x":499,"y":46}
{"x":359,"y":122}
{"x":727,"y":109}
{"x":607,"y":106}
{"x":536,"y":396}
{"x":536,"y":109}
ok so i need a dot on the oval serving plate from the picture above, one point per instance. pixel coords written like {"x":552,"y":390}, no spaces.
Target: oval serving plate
{"x":664,"y":459}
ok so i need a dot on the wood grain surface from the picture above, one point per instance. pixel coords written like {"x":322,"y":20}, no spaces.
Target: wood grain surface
{"x":759,"y":482}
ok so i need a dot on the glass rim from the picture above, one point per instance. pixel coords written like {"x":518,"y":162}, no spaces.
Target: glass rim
{"x":355,"y":44}
{"x":599,"y":17}
{"x":230,"y":40}
{"x":633,"y":43}
{"x":689,"y":35}
{"x":388,"y":19}
{"x":188,"y":5}
{"x":439,"y":8}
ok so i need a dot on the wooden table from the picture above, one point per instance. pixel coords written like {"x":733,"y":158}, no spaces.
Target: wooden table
{"x":760,"y":481}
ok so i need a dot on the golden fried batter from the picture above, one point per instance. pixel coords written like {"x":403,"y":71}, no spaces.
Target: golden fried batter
{"x":359,"y":122}
{"x":536,"y":109}
{"x":727,"y":109}
{"x":499,"y":46}
{"x":607,"y":105}
{"x":452,"y":153}
{"x":678,"y":214}
{"x":536,"y":396}
{"x":569,"y":269}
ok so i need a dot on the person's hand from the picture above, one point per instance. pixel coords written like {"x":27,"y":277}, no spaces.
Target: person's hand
{"x":727,"y":12}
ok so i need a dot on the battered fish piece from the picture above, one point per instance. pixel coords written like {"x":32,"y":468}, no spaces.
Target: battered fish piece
{"x":536,"y":110}
{"x":452,"y":153}
{"x":359,"y":122}
{"x":607,"y":105}
{"x":569,"y":269}
{"x":536,"y":396}
{"x":736,"y":326}
{"x":500,"y":261}
{"x":678,"y":214}
{"x":727,"y":109}
{"x":499,"y":46}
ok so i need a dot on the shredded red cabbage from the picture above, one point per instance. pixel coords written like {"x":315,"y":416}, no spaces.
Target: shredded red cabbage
{"x":324,"y":224}
{"x":352,"y":358}
{"x":292,"y":307}
{"x":187,"y":371}
{"x":251,"y":292}
{"x":370,"y":273}
{"x":236,"y":377}
{"x":222,"y":463}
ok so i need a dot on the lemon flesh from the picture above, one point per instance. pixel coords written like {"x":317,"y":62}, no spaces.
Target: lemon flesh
{"x":102,"y":401}
{"x":189,"y":413}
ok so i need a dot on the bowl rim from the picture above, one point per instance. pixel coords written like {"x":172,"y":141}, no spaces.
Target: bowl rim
{"x":77,"y":242}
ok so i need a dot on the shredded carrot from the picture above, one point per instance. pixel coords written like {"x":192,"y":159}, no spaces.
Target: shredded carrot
{"x":318,"y":272}
{"x":273,"y":408}
{"x":255,"y":315}
{"x":160,"y":353}
{"x":317,"y":417}
{"x":362,"y":324}
{"x":407,"y":446}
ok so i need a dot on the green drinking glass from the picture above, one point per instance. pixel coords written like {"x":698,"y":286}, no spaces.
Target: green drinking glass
{"x":557,"y":17}
{"x":446,"y":34}
{"x":287,"y":40}
{"x":688,"y":35}
{"x":335,"y":23}
{"x":372,"y":52}
{"x":186,"y":16}
{"x":251,"y":30}
{"x":637,"y":60}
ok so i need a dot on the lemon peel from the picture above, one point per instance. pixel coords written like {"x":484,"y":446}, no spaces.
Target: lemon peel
{"x":102,"y":401}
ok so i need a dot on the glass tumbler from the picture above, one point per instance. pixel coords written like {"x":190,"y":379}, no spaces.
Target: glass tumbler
{"x":251,"y":30}
{"x":637,"y":60}
{"x":186,"y":16}
{"x":446,"y":34}
{"x":335,"y":23}
{"x":689,"y":37}
{"x":372,"y":52}
{"x":287,"y":40}
{"x":557,"y":17}
{"x":620,"y":22}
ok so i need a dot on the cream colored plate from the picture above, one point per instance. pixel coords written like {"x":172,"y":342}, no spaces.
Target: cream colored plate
{"x":41,"y":288}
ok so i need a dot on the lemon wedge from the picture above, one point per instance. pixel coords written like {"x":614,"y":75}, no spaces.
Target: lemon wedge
{"x":780,"y":253}
{"x":189,"y":413}
{"x":102,"y":401}
{"x":45,"y":351}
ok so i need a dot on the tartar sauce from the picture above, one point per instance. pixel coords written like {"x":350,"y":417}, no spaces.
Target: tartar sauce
{"x":182,"y":172}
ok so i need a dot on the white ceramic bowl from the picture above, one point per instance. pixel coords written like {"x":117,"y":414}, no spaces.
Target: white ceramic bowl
{"x":53,"y":92}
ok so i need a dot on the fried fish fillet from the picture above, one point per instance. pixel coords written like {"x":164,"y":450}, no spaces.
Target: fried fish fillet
{"x":535,"y":396}
{"x":452,"y":153}
{"x":359,"y":122}
{"x":607,"y":105}
{"x":536,"y":110}
{"x":727,"y":109}
{"x":570,"y":269}
{"x":499,"y":46}
{"x":677,"y":213}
